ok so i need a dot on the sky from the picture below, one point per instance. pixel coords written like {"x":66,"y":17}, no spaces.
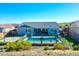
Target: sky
{"x":38,"y":12}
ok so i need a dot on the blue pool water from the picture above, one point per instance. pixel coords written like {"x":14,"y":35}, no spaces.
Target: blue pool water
{"x":44,"y":40}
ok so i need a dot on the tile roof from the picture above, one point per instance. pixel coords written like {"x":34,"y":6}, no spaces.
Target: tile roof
{"x":75,"y":24}
{"x":6,"y":26}
{"x":42,"y":24}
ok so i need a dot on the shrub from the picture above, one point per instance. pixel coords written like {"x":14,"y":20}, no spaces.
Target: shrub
{"x":10,"y":46}
{"x":3,"y":43}
{"x":76,"y":47}
{"x":59,"y":46}
{"x":23,"y":45}
{"x":27,"y":45}
{"x":46,"y":48}
{"x":18,"y":45}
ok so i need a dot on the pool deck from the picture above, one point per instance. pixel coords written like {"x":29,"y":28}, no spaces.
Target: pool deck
{"x":43,"y":44}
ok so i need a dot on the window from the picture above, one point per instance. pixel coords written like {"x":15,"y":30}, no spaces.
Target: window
{"x":53,"y":31}
{"x":37,"y":30}
{"x":44,"y":30}
{"x":28,"y":30}
{"x":1,"y":30}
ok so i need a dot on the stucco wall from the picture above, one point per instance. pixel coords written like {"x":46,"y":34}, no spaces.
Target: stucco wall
{"x":22,"y":31}
{"x":74,"y":33}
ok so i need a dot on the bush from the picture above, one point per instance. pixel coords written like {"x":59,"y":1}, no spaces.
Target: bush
{"x":18,"y":45}
{"x":23,"y":45}
{"x":59,"y":46}
{"x":10,"y":46}
{"x":46,"y":48}
{"x":76,"y":47}
{"x":27,"y":45}
{"x":3,"y":43}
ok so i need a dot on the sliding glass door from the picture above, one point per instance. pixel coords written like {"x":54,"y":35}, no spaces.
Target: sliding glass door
{"x":41,"y":31}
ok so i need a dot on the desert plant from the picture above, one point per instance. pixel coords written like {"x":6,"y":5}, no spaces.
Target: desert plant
{"x":46,"y":47}
{"x":27,"y":45}
{"x":76,"y":47}
{"x":3,"y":43}
{"x":10,"y":46}
{"x":18,"y":45}
{"x":59,"y":46}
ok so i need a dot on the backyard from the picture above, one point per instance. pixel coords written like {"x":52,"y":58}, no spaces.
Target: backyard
{"x":56,"y":49}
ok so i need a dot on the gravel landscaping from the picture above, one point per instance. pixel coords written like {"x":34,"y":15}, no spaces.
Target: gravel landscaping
{"x":41,"y":53}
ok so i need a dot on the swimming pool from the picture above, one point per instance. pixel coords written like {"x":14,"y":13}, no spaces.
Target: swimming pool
{"x":43,"y":40}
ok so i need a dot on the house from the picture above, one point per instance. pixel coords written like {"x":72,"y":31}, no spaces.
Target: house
{"x":15,"y":25}
{"x":5,"y":28}
{"x":14,"y":31}
{"x":1,"y":34}
{"x":74,"y":30}
{"x":38,"y":29}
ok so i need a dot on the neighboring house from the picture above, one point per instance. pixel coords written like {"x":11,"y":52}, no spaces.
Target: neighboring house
{"x":5,"y":28}
{"x":1,"y":34}
{"x":14,"y":31}
{"x":38,"y":29}
{"x":15,"y":25}
{"x":74,"y":30}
